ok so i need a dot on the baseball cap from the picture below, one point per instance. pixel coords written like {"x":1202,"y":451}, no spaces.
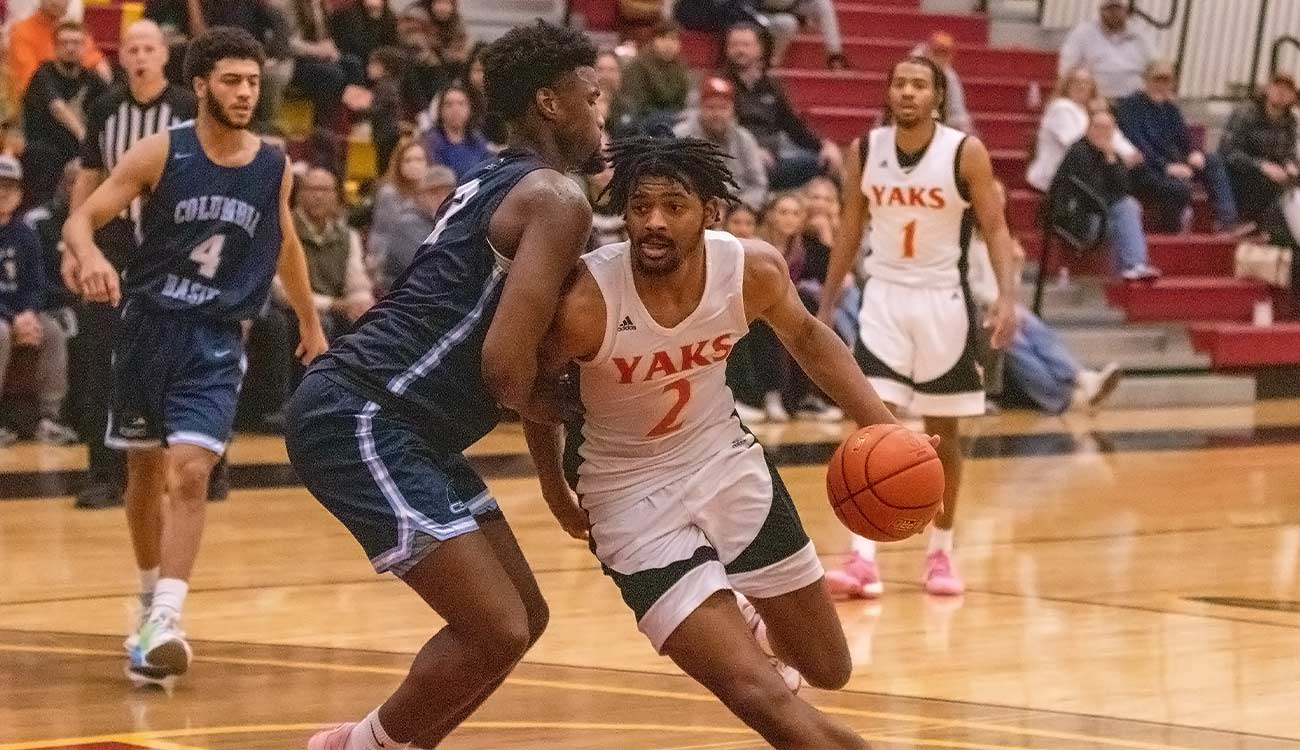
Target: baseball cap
{"x":10,"y":169}
{"x":717,"y":88}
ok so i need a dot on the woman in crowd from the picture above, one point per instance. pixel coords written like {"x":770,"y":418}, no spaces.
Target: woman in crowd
{"x":450,"y":39}
{"x":396,"y":195}
{"x":1064,"y":122}
{"x":741,"y":221}
{"x":483,"y":120}
{"x":363,"y":27}
{"x":452,"y":140}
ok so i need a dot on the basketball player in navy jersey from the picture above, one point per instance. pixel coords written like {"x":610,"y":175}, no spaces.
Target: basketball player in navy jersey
{"x":922,"y":188}
{"x":216,"y":228}
{"x":377,"y":428}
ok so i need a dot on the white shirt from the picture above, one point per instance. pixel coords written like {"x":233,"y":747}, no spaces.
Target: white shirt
{"x":1116,"y":60}
{"x":1064,"y":122}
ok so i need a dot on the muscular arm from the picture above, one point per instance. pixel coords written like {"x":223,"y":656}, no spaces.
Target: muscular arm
{"x":976,"y":170}
{"x":770,"y":295}
{"x":551,"y":218}
{"x":852,"y":222}
{"x":138,"y":171}
{"x":292,"y":270}
{"x":577,"y":334}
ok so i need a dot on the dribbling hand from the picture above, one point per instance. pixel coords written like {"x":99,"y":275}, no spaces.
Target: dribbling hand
{"x":572,"y":518}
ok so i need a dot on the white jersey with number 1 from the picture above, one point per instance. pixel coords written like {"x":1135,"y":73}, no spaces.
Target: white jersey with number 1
{"x":920,"y":228}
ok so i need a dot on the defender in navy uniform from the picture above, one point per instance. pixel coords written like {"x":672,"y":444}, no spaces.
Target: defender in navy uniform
{"x":377,"y":428}
{"x":216,"y":228}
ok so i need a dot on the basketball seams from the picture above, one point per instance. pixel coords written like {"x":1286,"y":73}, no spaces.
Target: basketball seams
{"x":857,"y":501}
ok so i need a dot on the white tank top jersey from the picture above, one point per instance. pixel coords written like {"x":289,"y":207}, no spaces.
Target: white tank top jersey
{"x":656,"y":399}
{"x":920,"y":225}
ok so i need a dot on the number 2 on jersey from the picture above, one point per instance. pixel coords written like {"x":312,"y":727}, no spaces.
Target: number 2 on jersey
{"x":909,"y":239}
{"x":669,"y":423}
{"x":208,"y":255}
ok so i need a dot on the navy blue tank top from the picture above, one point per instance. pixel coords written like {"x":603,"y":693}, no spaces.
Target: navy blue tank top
{"x":211,"y":233}
{"x":420,"y":348}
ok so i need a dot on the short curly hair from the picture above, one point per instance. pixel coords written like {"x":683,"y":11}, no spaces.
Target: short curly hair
{"x":529,"y":58}
{"x":220,"y":43}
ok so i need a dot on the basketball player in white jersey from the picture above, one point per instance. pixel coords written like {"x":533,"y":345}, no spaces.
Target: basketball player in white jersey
{"x":683,"y":506}
{"x":922,"y":188}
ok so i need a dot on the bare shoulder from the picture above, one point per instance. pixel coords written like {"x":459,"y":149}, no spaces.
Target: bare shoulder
{"x":580,"y":319}
{"x":765,"y":270}
{"x":973,"y":153}
{"x":547,"y":195}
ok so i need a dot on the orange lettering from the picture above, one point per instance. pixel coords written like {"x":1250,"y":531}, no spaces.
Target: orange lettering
{"x":879,"y":192}
{"x":661,"y":363}
{"x":722,"y":347}
{"x":692,"y":356}
{"x":896,"y":197}
{"x":625,"y":369}
{"x":937,"y":199}
{"x":916,"y":197}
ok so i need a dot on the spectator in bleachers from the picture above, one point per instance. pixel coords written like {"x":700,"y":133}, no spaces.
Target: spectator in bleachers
{"x":620,"y":120}
{"x":414,"y":223}
{"x":1152,"y":121}
{"x":451,"y":141}
{"x":484,"y":120}
{"x":741,"y":221}
{"x":1259,"y":147}
{"x":1094,"y":163}
{"x":657,"y":82}
{"x":22,"y":320}
{"x":362,"y":27}
{"x":54,"y":111}
{"x":821,"y":198}
{"x":426,"y":73}
{"x":32,"y":42}
{"x":382,"y":101}
{"x":785,"y":17}
{"x":792,"y":152}
{"x":1112,"y":48}
{"x":320,"y":70}
{"x":1064,"y":122}
{"x":46,"y":220}
{"x":450,"y":38}
{"x":940,"y":48}
{"x":715,"y":121}
{"x":395,"y":196}
{"x":340,"y":286}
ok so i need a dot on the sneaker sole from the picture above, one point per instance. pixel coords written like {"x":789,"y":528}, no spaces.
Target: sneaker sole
{"x":171,"y":657}
{"x":149,"y":677}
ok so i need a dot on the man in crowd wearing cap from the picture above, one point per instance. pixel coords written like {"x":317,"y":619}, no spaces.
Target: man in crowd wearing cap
{"x":1259,"y":147}
{"x":939,"y":48}
{"x":22,"y":324}
{"x":1111,"y":47}
{"x":1153,"y":123}
{"x":716,"y":122}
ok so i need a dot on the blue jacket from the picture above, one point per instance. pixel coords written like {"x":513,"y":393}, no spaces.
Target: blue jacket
{"x":1157,"y":130}
{"x":22,"y":269}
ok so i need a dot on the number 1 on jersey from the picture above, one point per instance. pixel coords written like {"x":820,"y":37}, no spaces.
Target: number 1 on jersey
{"x":208,"y":255}
{"x":909,"y":239}
{"x":669,"y":423}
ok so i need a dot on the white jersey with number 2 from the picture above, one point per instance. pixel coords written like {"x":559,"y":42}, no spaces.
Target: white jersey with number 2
{"x":919,"y":224}
{"x":655,"y":399}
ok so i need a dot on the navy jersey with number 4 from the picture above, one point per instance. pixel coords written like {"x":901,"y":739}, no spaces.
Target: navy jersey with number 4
{"x":421,"y":346}
{"x":211,"y":233}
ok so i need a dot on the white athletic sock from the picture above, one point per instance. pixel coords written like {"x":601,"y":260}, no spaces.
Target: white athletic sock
{"x":369,"y":734}
{"x":865,"y":548}
{"x":940,"y":539}
{"x":169,"y":594}
{"x":148,"y":582}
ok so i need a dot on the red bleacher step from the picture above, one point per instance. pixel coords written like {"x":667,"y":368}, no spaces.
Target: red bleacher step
{"x":870,"y":19}
{"x":1177,"y":256}
{"x":1194,"y":298}
{"x":997,"y":130}
{"x":1246,"y":345}
{"x":808,"y":88}
{"x":1022,"y":211}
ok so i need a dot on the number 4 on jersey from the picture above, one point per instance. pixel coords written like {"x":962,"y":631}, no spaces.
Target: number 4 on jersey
{"x":208,"y":255}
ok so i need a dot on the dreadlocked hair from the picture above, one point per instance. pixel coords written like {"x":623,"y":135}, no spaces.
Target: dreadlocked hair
{"x":940,"y":85}
{"x":698,"y":165}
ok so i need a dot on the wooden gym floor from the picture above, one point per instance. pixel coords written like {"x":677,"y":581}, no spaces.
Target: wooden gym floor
{"x":1134,"y":585}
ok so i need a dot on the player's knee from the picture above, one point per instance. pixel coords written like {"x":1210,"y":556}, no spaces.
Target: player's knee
{"x":502,"y":642}
{"x":188,"y":480}
{"x":539,"y":616}
{"x":828,"y":671}
{"x":761,"y":701}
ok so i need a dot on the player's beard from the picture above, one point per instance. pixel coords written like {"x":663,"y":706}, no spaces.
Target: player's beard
{"x":218,"y":113}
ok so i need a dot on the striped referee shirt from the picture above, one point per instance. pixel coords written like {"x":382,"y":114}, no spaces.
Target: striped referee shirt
{"x":116,"y":121}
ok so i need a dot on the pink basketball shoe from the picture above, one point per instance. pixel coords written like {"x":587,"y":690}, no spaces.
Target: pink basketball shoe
{"x":941,"y":577}
{"x":857,"y":578}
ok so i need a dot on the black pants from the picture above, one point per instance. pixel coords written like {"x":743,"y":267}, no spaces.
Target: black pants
{"x":323,"y":82}
{"x":90,"y":368}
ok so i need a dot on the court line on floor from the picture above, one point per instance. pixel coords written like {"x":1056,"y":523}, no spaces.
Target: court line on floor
{"x":641,"y":693}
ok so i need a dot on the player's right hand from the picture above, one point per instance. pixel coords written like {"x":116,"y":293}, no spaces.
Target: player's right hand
{"x":572,"y":518}
{"x":97,"y":280}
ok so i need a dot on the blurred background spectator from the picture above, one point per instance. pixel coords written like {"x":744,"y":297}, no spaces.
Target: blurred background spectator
{"x":940,"y":48}
{"x":792,"y":152}
{"x":1151,"y":120}
{"x":656,"y":82}
{"x":362,"y":27}
{"x":320,"y":70}
{"x":785,"y":19}
{"x":32,"y":41}
{"x":413,"y":223}
{"x":1112,"y":48}
{"x":620,"y":118}
{"x":1064,"y":122}
{"x":715,"y":121}
{"x":451,"y":140}
{"x":1259,"y":148}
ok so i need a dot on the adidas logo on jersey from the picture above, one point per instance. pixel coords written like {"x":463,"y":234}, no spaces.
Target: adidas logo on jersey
{"x":627,"y":324}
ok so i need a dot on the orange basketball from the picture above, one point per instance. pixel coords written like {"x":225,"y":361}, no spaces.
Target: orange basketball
{"x":885,"y":482}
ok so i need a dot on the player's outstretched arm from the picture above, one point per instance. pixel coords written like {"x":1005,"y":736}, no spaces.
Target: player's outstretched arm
{"x":139,"y":170}
{"x":852,"y":222}
{"x":551,"y":218}
{"x":292,"y":270}
{"x":577,"y":334}
{"x":770,"y":295}
{"x":977,"y":171}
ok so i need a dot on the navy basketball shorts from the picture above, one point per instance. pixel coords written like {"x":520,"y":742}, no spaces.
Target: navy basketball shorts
{"x":398,"y":495}
{"x":176,"y":379}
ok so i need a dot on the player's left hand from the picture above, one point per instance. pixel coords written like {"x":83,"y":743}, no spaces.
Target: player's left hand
{"x":311,"y":344}
{"x":1001,"y":322}
{"x":572,"y":518}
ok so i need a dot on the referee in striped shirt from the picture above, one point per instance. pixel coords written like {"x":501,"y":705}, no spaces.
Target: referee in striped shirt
{"x":125,"y":114}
